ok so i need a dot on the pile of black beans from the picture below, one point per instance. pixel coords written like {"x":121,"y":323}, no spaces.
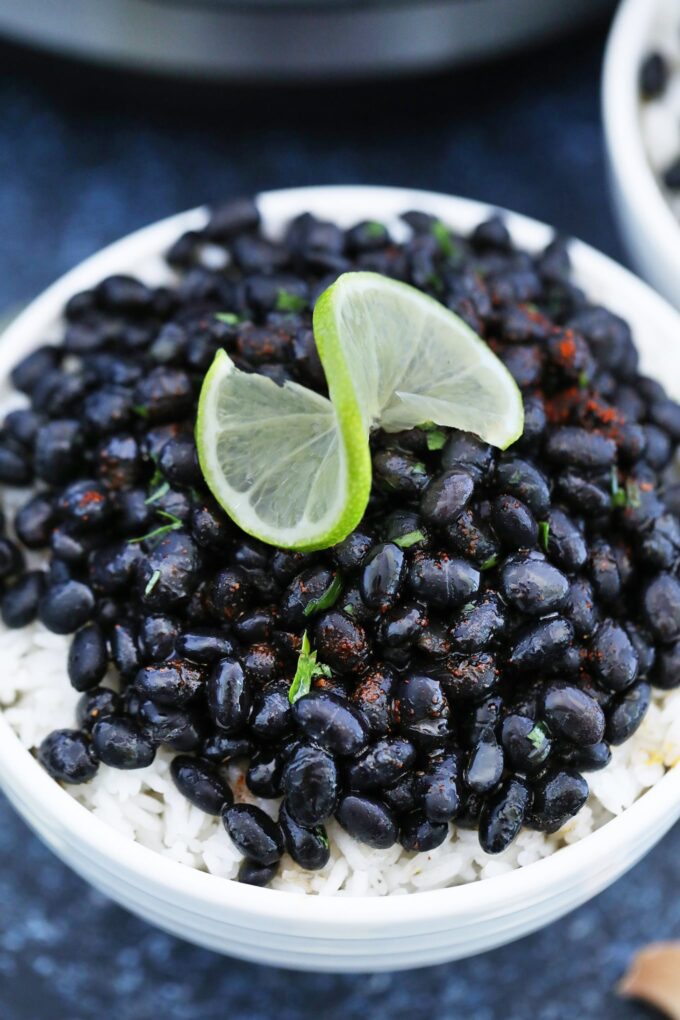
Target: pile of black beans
{"x":492,"y":627}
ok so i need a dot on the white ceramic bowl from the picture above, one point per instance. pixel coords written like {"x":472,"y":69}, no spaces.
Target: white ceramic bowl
{"x":340,"y":934}
{"x":649,"y":226}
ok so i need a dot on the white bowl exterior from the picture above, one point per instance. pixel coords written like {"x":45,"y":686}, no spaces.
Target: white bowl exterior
{"x":342,"y":933}
{"x":649,"y":226}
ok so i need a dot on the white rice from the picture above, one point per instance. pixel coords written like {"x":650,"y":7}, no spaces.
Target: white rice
{"x":144,"y":805}
{"x":659,"y":118}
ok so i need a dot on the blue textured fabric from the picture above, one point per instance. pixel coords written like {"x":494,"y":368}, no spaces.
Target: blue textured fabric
{"x":79,"y":167}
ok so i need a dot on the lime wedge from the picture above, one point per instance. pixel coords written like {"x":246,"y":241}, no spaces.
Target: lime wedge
{"x":293,"y":468}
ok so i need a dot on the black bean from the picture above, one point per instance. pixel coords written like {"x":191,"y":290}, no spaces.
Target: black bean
{"x":169,"y":572}
{"x":33,"y":522}
{"x":468,"y":537}
{"x":557,"y":798}
{"x":383,"y":764}
{"x":367,"y":820}
{"x":502,"y":815}
{"x":341,"y":642}
{"x":419,"y":834}
{"x":513,"y":522}
{"x":174,"y":682}
{"x":521,"y":479}
{"x":587,"y":759}
{"x":566,"y":543}
{"x":307,"y":846}
{"x":349,"y":554}
{"x":572,"y":715}
{"x":31,"y":369}
{"x":165,"y":394}
{"x":310,"y":785}
{"x":373,"y":697}
{"x":63,"y":608}
{"x":254,"y":833}
{"x":666,"y":674}
{"x":200,"y":784}
{"x":221,"y":748}
{"x":120,"y":743}
{"x":441,"y":580}
{"x":627,"y":712}
{"x":534,"y":586}
{"x":158,"y":638}
{"x":229,"y":696}
{"x":96,"y":704}
{"x":613,"y":657}
{"x":177,"y":729}
{"x":19,"y":605}
{"x":400,"y":472}
{"x":478,"y":623}
{"x":304,"y":593}
{"x":335,"y":725}
{"x":382,"y":574}
{"x":526,"y":743}
{"x":470,"y":677}
{"x":467,"y":450}
{"x":484,"y":767}
{"x":264,"y":774}
{"x":661,"y":603}
{"x":542,"y":645}
{"x":67,"y":755}
{"x":252,"y":873}
{"x":87,"y":658}
{"x":124,"y":650}
{"x":580,"y":607}
{"x":421,"y":710}
{"x":446,"y":496}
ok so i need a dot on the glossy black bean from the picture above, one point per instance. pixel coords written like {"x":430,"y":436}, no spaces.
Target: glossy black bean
{"x":660,"y":546}
{"x":519,"y":478}
{"x":19,"y":605}
{"x":349,"y":554}
{"x":11,"y":559}
{"x":502,"y":815}
{"x":220,"y":748}
{"x":418,"y":834}
{"x":252,"y":873}
{"x":382,"y":574}
{"x":120,"y":743}
{"x":513,"y":522}
{"x":576,"y":447}
{"x":264,"y":774}
{"x":341,"y":642}
{"x":310,"y":785}
{"x":15,"y":466}
{"x":229,"y":696}
{"x":591,"y":758}
{"x":331,"y":722}
{"x":420,"y":709}
{"x":397,"y":471}
{"x":401,"y":627}
{"x":572,"y":715}
{"x":174,"y":682}
{"x":485,"y":763}
{"x":308,"y":846}
{"x":583,"y":494}
{"x":271,"y":716}
{"x":158,"y":638}
{"x":200,"y":784}
{"x":124,"y":649}
{"x":368,"y":821}
{"x":112,"y":568}
{"x":467,"y":450}
{"x":580,"y":607}
{"x":470,"y":677}
{"x":33,"y":522}
{"x":442,"y":581}
{"x":373,"y":697}
{"x":557,"y":798}
{"x":304,"y":593}
{"x":612,"y":657}
{"x":542,"y":645}
{"x":526,"y":743}
{"x":165,"y":394}
{"x":382,"y":765}
{"x":87,"y":658}
{"x":478,"y":624}
{"x":534,"y":586}
{"x":566,"y":543}
{"x":63,"y":608}
{"x":446,"y":495}
{"x":67,"y":755}
{"x":471,"y":539}
{"x":604,"y":571}
{"x":666,"y":673}
{"x":230,"y":593}
{"x":661,"y":604}
{"x":94,"y":705}
{"x":255,"y":834}
{"x":31,"y":369}
{"x":175,"y":728}
{"x":626,"y":713}
{"x":169,"y":572}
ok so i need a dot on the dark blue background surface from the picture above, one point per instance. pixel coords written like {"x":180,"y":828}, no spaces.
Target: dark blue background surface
{"x":84,"y":160}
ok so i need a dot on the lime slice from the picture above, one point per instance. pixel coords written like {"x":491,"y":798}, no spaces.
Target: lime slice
{"x":293,"y":468}
{"x":287,"y":465}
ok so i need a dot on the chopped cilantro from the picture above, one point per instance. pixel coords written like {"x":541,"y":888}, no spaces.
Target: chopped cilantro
{"x":375,"y":230}
{"x":349,"y":609}
{"x":141,"y":410}
{"x":544,"y":534}
{"x":409,"y":539}
{"x":537,"y":736}
{"x":419,"y":468}
{"x":583,"y":380}
{"x":229,"y":318}
{"x":490,"y":562}
{"x":442,"y":236}
{"x":161,"y":491}
{"x":618,"y":496}
{"x":632,"y":494}
{"x":153,"y":581}
{"x":325,"y":601}
{"x":307,"y":669}
{"x":436,"y":437}
{"x":289,"y":302}
{"x":156,"y":533}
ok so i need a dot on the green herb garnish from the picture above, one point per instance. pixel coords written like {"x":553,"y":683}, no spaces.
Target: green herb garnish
{"x":174,"y":524}
{"x":325,"y":601}
{"x":286,"y":301}
{"x":375,"y":230}
{"x":419,"y":468}
{"x":442,"y":236}
{"x":349,"y":609}
{"x":490,"y":562}
{"x":435,"y":438}
{"x":583,"y":380}
{"x":632,"y":494}
{"x":228,"y":318}
{"x":307,"y":669}
{"x":618,"y":496}
{"x":161,"y":491}
{"x":153,"y":581}
{"x":537,"y":736}
{"x":544,"y":534}
{"x":141,"y":410}
{"x":409,"y":539}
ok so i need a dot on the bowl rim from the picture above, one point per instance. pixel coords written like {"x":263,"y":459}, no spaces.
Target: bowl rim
{"x":21,"y":774}
{"x":639,"y":186}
